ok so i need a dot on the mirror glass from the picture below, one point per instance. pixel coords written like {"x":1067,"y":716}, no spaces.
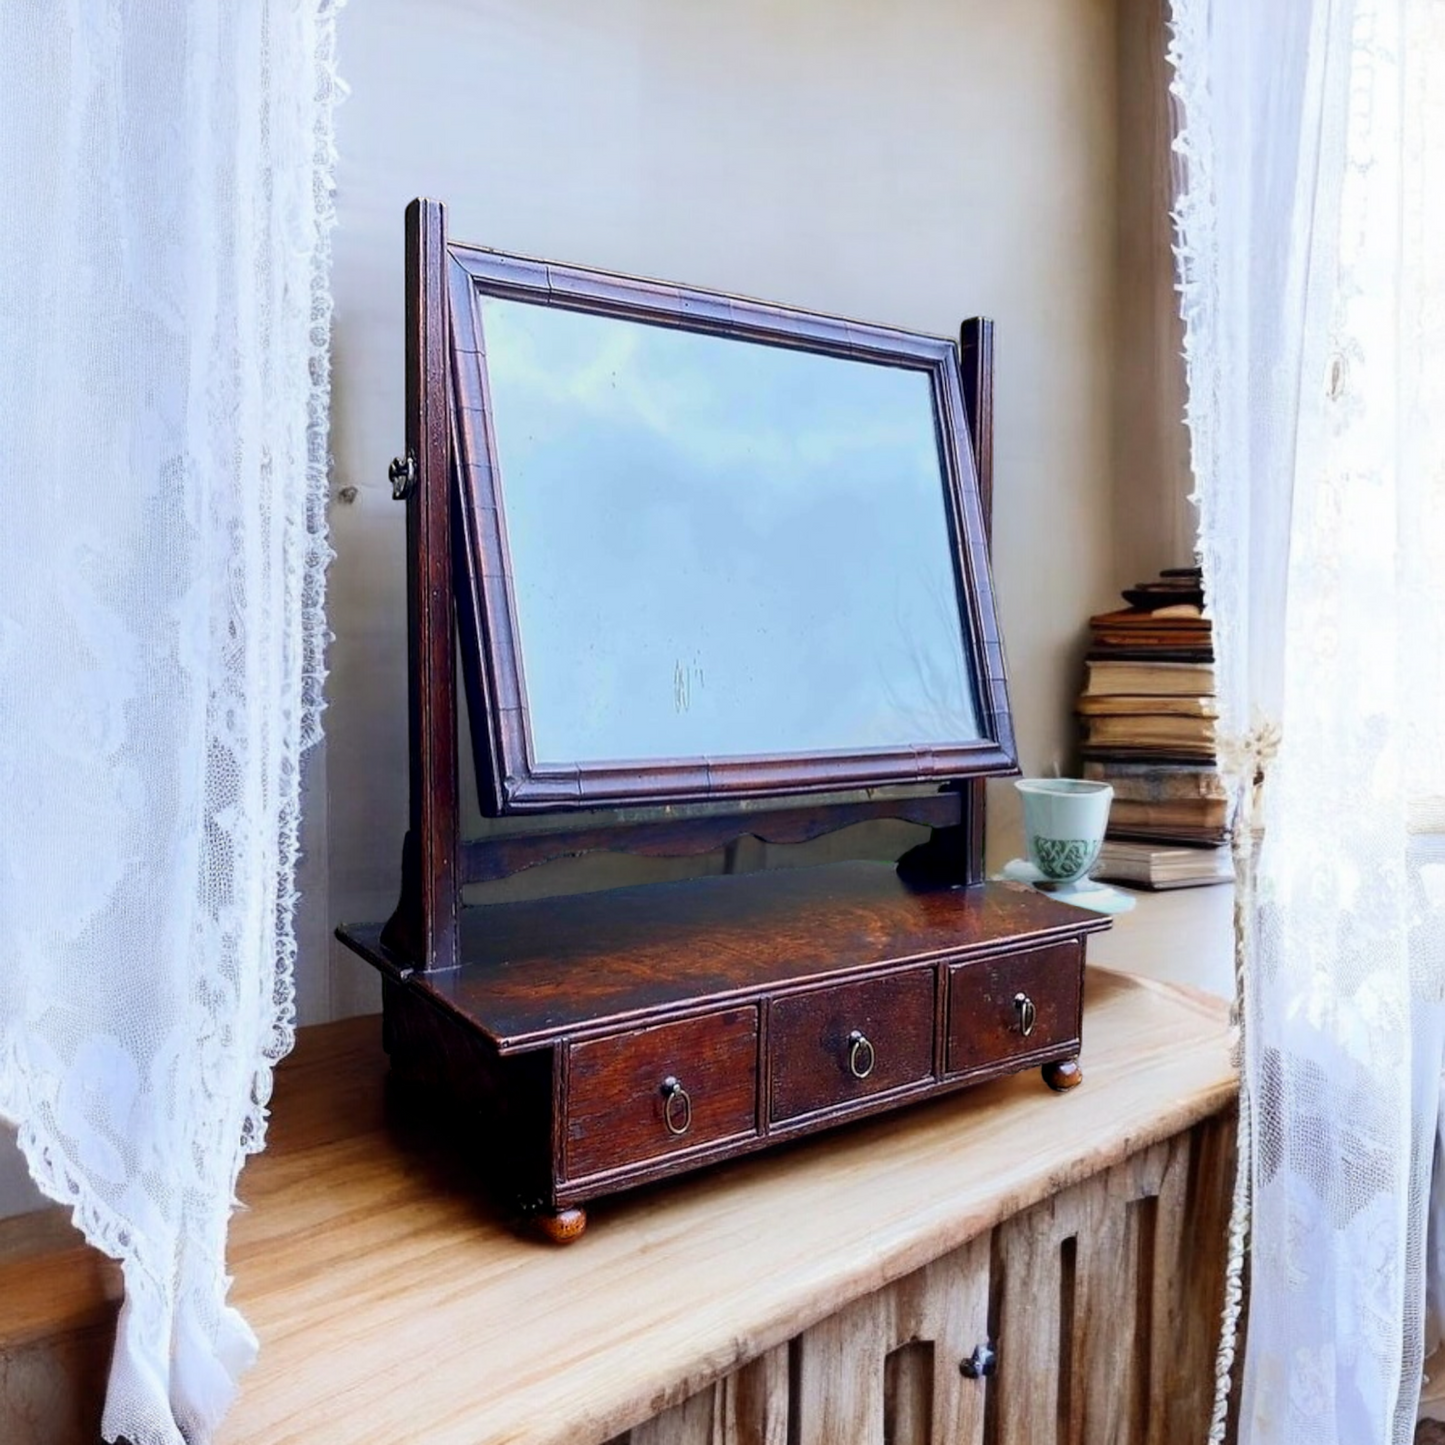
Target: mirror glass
{"x":720,"y":547}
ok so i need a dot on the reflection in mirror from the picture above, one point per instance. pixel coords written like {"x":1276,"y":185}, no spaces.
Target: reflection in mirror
{"x":720,"y":547}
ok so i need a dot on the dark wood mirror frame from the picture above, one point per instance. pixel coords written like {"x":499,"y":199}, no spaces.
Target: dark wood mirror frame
{"x":510,"y":779}
{"x":437,"y":861}
{"x":569,"y":1040}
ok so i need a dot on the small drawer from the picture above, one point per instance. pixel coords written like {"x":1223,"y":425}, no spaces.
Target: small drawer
{"x":1001,"y":1008}
{"x":660,"y":1090}
{"x":850,"y":1041}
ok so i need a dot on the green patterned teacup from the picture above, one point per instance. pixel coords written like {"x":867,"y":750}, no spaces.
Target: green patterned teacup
{"x":1064,"y":822}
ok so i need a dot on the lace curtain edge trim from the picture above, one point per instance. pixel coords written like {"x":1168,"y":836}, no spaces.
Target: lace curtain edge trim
{"x":45,"y":1157}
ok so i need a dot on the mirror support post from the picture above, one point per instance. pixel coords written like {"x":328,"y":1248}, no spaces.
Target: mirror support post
{"x":955,"y":854}
{"x":975,"y":346}
{"x":424,"y":927}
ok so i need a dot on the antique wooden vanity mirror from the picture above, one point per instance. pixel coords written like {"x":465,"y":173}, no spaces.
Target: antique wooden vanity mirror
{"x":716,"y":568}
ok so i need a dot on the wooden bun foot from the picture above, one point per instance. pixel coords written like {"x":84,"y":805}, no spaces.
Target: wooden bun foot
{"x":560,"y":1226}
{"x":1063,"y":1075}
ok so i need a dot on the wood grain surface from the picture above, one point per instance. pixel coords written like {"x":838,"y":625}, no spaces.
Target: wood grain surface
{"x":983,"y":1017}
{"x":392,"y":1306}
{"x":58,"y":1303}
{"x":817,"y":1062}
{"x":838,"y":965}
{"x":535,"y":971}
{"x":616,"y":1112}
{"x":1099,"y":1305}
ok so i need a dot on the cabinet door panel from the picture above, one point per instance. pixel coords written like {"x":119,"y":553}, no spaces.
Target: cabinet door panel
{"x":885,"y":1370}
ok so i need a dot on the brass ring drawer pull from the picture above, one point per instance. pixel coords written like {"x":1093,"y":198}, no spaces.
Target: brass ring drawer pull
{"x":1027,"y":1013}
{"x":677,"y":1106}
{"x":861,"y":1056}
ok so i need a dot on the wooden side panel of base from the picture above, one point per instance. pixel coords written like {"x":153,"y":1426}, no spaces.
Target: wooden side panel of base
{"x":1102,"y":1303}
{"x":748,"y":1407}
{"x":58,"y":1306}
{"x":497,"y":1112}
{"x":1191,"y":1252}
{"x":52,"y":1392}
{"x":886,"y":1369}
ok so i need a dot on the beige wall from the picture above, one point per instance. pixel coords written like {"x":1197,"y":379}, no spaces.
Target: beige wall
{"x":913,"y":163}
{"x":1155,"y":525}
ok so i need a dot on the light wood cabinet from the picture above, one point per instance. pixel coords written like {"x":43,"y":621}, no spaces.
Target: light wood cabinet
{"x":1100,"y":1306}
{"x":821,"y":1295}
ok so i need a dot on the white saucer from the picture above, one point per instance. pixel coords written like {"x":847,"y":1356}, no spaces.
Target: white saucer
{"x":1086,"y":893}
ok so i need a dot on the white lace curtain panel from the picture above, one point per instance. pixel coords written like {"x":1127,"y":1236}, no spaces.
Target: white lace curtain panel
{"x":1311,"y":243}
{"x":165,"y":169}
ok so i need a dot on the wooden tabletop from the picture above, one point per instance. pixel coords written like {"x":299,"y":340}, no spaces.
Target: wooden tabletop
{"x":393,"y":1304}
{"x":532,"y":972}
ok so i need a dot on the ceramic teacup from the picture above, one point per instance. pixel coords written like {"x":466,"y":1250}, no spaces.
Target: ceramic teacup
{"x":1064,"y":822}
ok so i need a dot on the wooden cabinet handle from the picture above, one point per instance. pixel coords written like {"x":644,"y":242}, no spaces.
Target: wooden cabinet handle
{"x":1027,"y":1013}
{"x":861,"y":1055}
{"x":676,"y":1106}
{"x":980,"y":1364}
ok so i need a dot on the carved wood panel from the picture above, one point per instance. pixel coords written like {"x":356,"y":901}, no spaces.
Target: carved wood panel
{"x":748,"y":1407}
{"x":1102,"y":1303}
{"x":885,"y":1371}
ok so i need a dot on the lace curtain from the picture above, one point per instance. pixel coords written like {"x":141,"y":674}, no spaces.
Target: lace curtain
{"x":1311,"y":245}
{"x":164,"y":323}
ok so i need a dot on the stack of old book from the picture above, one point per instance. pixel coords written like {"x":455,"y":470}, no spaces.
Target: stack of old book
{"x":1148,"y":711}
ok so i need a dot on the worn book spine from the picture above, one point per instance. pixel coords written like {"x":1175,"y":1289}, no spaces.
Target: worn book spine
{"x":1108,"y":677}
{"x":1151,"y":783}
{"x":1129,"y":704}
{"x":1153,"y":863}
{"x":1150,"y":730}
{"x":1209,"y":814}
{"x":1176,"y":754}
{"x":1153,"y":626}
{"x":1111,"y":652}
{"x":1201,"y":838}
{"x":1175,"y":617}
